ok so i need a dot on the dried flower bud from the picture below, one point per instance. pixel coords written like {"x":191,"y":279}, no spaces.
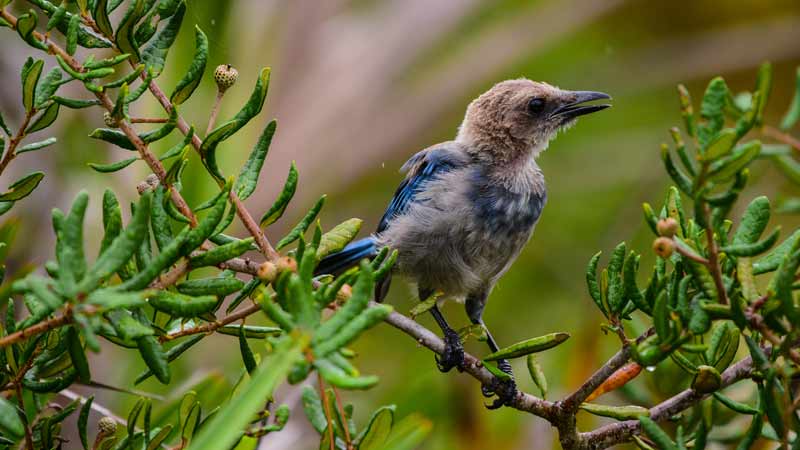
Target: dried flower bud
{"x":107,"y":426}
{"x":707,"y":380}
{"x":663,"y":247}
{"x":344,"y":293}
{"x":267,"y":271}
{"x":225,"y":76}
{"x":110,"y":120}
{"x":667,"y":227}
{"x":286,"y":264}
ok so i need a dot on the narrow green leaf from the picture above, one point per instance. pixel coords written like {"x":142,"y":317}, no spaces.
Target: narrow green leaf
{"x":36,"y":145}
{"x":179,"y":305}
{"x":47,"y":86}
{"x":303,"y":225}
{"x":155,"y":54}
{"x":247,"y":354}
{"x":153,"y":355}
{"x":77,"y":355}
{"x":409,"y":433}
{"x":277,"y":209}
{"x":529,"y":346}
{"x":83,"y":420}
{"x":73,"y":31}
{"x":334,"y":375}
{"x":22,"y":187}
{"x":615,"y":412}
{"x":172,"y":354}
{"x":721,"y":145}
{"x":100,"y":16}
{"x":246,"y":183}
{"x":763,"y":87}
{"x":30,"y":79}
{"x":124,"y":38}
{"x":735,"y":406}
{"x":225,"y":427}
{"x":375,"y":434}
{"x":190,"y":81}
{"x":45,"y":119}
{"x":10,"y":421}
{"x":754,"y":221}
{"x":210,"y":286}
{"x":113,"y":167}
{"x":222,"y":253}
{"x":661,"y":439}
{"x":712,"y":110}
{"x":728,"y":166}
{"x":772,"y":260}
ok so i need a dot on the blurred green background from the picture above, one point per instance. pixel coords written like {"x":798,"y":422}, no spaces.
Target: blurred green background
{"x":358,"y":86}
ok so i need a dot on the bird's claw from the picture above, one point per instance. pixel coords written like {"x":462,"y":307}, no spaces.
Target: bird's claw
{"x":504,"y":389}
{"x":453,"y":355}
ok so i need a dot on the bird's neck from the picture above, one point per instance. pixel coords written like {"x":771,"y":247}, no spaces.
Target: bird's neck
{"x":519,"y":175}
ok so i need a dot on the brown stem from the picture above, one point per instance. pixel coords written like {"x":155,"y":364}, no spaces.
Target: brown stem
{"x":326,"y":407}
{"x":347,"y":438}
{"x":11,"y":151}
{"x":213,"y":326}
{"x":33,"y":330}
{"x":212,"y":118}
{"x":688,"y":254}
{"x":713,"y":258}
{"x":148,"y":120}
{"x":782,"y":137}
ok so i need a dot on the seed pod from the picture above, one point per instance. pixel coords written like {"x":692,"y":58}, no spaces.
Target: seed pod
{"x":529,"y":346}
{"x":667,"y":227}
{"x":225,"y":76}
{"x":107,"y":426}
{"x":267,"y":271}
{"x":286,"y":264}
{"x":663,"y":247}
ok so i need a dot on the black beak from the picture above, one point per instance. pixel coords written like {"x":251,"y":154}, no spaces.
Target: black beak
{"x":572,"y":107}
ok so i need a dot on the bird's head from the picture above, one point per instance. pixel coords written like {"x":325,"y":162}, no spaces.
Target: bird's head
{"x":519,"y":117}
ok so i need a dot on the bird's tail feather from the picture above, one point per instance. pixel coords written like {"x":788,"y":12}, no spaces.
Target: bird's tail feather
{"x":350,"y":256}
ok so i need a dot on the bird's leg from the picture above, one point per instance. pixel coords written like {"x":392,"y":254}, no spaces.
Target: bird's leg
{"x":506,"y":389}
{"x":453,"y":355}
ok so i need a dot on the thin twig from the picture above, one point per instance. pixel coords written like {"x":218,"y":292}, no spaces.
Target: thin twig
{"x":782,"y":137}
{"x":33,"y":330}
{"x":212,"y":118}
{"x":326,"y":407}
{"x":713,"y":258}
{"x":148,"y":120}
{"x":213,"y":326}
{"x":11,"y":151}
{"x":347,"y":438}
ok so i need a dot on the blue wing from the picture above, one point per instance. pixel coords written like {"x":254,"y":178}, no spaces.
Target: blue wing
{"x":423,"y":167}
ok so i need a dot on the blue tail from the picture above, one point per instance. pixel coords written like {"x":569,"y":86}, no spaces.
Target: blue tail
{"x":350,"y":256}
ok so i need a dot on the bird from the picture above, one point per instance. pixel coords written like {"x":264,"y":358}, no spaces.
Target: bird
{"x":467,"y":207}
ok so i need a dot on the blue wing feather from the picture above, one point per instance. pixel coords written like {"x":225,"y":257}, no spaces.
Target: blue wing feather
{"x":423,"y":167}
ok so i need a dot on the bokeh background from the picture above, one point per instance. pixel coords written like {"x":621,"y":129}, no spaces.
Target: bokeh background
{"x":358,"y":86}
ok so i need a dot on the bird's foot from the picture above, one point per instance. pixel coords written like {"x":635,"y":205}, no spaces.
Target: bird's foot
{"x":453,"y":355}
{"x":505,"y":389}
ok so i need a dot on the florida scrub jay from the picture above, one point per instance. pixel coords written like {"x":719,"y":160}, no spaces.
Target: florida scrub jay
{"x":467,"y":207}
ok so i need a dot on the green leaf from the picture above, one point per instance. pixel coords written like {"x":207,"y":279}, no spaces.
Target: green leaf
{"x":222,"y":253}
{"x":47,"y":87}
{"x":77,"y":355}
{"x":156,"y":51}
{"x":721,"y":145}
{"x":121,"y":249}
{"x":303,"y":225}
{"x":164,"y":259}
{"x":763,"y":87}
{"x":661,"y":439}
{"x":529,"y":346}
{"x":277,"y":209}
{"x":179,"y":305}
{"x":680,"y":178}
{"x":409,"y":433}
{"x":75,"y":103}
{"x":728,"y":166}
{"x":83,"y":420}
{"x":773,"y":259}
{"x":248,"y":358}
{"x":36,"y":145}
{"x":593,"y":285}
{"x":190,"y":81}
{"x":172,"y":354}
{"x":312,"y":406}
{"x":615,"y":412}
{"x":113,"y":167}
{"x":26,"y":25}
{"x":712,"y":110}
{"x":375,"y":434}
{"x":755,"y":248}
{"x":793,"y":114}
{"x":126,"y":327}
{"x":225,"y":427}
{"x":109,"y":299}
{"x":350,"y":331}
{"x":735,"y":406}
{"x":44,"y":119}
{"x":359,"y":299}
{"x":22,"y":187}
{"x":73,"y":31}
{"x":124,"y":38}
{"x":616,"y":300}
{"x":754,"y":221}
{"x":246,"y":183}
{"x":334,"y":375}
{"x":30,"y":78}
{"x":100,"y":16}
{"x":10,"y":421}
{"x":336,"y":239}
{"x":153,"y":355}
{"x":210,"y":286}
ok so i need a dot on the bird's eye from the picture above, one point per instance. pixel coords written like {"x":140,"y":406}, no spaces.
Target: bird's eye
{"x":536,"y":105}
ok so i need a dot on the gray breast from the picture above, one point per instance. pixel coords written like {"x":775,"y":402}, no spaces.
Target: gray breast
{"x":500,"y":211}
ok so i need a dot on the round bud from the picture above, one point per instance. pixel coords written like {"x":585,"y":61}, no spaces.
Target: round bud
{"x":286,"y":264}
{"x":110,"y":120}
{"x":225,"y":76}
{"x":707,"y":380}
{"x":107,"y":426}
{"x":663,"y":247}
{"x":667,"y":227}
{"x":344,"y":293}
{"x":142,"y":187}
{"x":267,"y":271}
